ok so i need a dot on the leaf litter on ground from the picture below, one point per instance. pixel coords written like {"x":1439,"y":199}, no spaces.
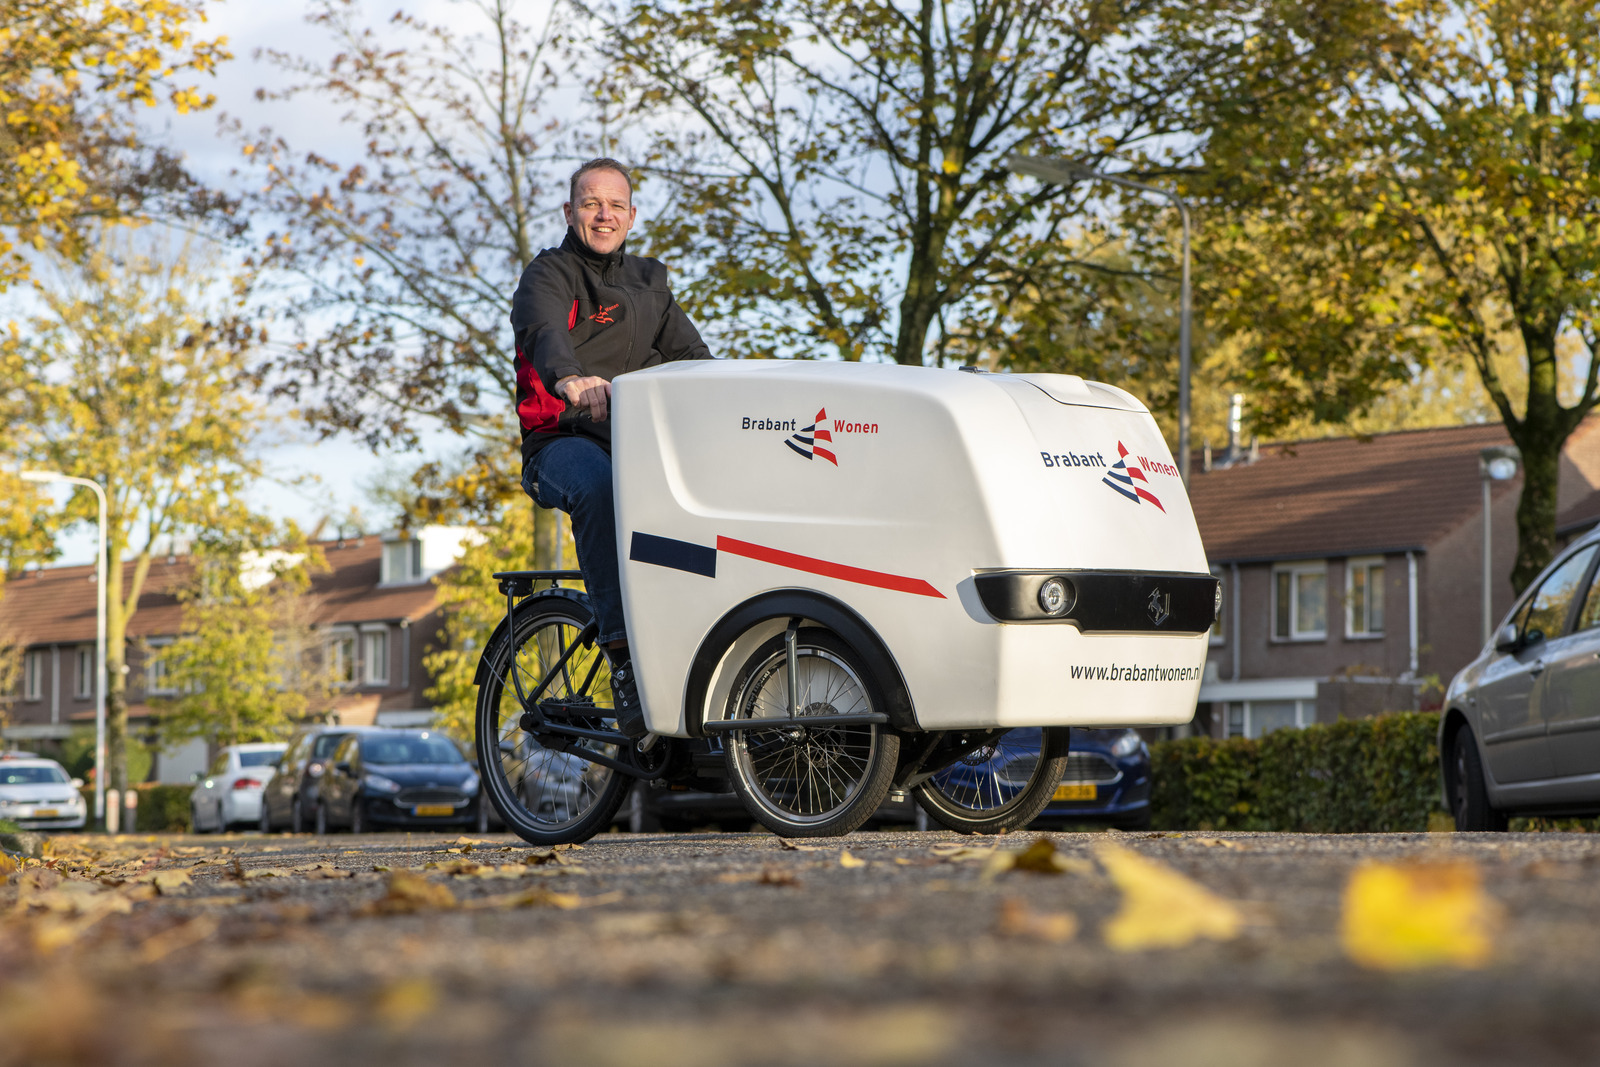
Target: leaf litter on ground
{"x":1410,"y":916}
{"x":1160,"y":907}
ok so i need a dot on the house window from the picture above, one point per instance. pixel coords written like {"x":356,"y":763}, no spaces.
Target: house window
{"x":1217,"y":627}
{"x":402,"y":561}
{"x":375,"y":657}
{"x":1257,"y":718}
{"x":155,"y":671}
{"x":342,"y":658}
{"x":1363,"y":598}
{"x":33,"y":676}
{"x":1300,"y":602}
{"x":84,"y":673}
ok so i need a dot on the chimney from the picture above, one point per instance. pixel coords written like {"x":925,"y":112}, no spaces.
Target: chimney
{"x":1235,"y":426}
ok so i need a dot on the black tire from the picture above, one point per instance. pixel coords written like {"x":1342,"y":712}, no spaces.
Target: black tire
{"x":543,"y":796}
{"x":1469,"y":797}
{"x":1001,"y":786}
{"x":357,"y":817}
{"x":818,"y":781}
{"x":222,"y":821}
{"x":321,"y":821}
{"x":264,"y":824}
{"x":297,"y":818}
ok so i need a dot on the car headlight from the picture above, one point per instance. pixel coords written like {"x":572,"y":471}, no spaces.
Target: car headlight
{"x":1055,"y":597}
{"x":469,"y":785}
{"x":1127,"y":744}
{"x":379,"y":784}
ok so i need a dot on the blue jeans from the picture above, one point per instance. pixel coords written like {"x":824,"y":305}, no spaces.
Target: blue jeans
{"x":573,"y":474}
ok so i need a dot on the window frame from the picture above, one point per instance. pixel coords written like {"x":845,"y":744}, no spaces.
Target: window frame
{"x":339,"y":637}
{"x":33,"y":675}
{"x":1366,"y":564}
{"x":1294,"y":570}
{"x":411,"y":550}
{"x":155,"y":671}
{"x":374,"y":635}
{"x":83,"y":672}
{"x":1219,"y":626}
{"x":1305,"y":714}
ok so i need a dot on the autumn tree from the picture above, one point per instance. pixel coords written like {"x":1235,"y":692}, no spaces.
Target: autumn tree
{"x":247,"y":665}
{"x":133,"y":372}
{"x":404,"y":252}
{"x":1406,"y":183}
{"x":838,"y":170}
{"x":72,"y":73}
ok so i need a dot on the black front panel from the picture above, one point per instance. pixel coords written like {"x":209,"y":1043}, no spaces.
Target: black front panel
{"x":1106,"y":601}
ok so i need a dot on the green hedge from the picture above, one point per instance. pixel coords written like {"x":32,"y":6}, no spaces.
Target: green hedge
{"x":1357,"y":776}
{"x":163,"y":808}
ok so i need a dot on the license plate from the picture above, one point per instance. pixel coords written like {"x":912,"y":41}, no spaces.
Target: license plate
{"x":1074,"y":791}
{"x":433,"y":809}
{"x":45,"y":813}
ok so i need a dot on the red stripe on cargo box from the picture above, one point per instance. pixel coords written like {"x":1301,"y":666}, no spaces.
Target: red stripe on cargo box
{"x":844,"y":572}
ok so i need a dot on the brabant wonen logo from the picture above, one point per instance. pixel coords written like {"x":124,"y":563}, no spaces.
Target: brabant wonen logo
{"x":804,"y":440}
{"x":1129,"y":478}
{"x":1159,"y":605}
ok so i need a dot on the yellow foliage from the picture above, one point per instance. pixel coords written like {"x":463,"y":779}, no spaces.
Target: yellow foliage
{"x":1160,"y":907}
{"x":1400,"y":917}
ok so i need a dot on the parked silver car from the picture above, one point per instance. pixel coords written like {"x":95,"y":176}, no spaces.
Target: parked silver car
{"x":1520,"y":733}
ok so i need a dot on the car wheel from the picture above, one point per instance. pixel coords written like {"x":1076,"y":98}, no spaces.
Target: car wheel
{"x":297,"y":818}
{"x":322,"y":819}
{"x":1469,"y":796}
{"x":357,"y":823}
{"x":194,"y":820}
{"x":265,"y":823}
{"x":222,"y":819}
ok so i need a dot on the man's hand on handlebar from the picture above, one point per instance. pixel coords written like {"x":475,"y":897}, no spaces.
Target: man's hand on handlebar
{"x":587,"y":393}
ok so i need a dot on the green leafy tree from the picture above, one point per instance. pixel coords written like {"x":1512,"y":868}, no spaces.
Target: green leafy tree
{"x":134,"y":372}
{"x":1405,"y":183}
{"x":838,"y":170}
{"x":247,"y":665}
{"x":405,"y":251}
{"x":71,"y":74}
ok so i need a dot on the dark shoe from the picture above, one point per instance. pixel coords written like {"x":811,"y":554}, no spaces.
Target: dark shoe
{"x":625,"y":701}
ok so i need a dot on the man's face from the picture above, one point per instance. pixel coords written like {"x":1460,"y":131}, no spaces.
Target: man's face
{"x":603,"y":213}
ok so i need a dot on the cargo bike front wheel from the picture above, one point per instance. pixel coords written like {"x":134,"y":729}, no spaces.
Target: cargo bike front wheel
{"x":826,"y":761}
{"x":1002,"y":784}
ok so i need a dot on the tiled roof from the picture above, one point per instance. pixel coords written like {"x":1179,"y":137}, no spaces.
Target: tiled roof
{"x":1345,"y":495}
{"x":56,"y":605}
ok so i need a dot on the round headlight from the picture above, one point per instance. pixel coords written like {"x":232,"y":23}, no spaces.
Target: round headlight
{"x":1055,"y":597}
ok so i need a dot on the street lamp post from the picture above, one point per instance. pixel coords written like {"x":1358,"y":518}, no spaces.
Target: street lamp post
{"x":1495,"y":464}
{"x":1062,"y":171}
{"x":100,"y":635}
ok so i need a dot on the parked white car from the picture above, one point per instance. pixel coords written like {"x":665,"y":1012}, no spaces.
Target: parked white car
{"x":230,"y":792}
{"x":38,"y":794}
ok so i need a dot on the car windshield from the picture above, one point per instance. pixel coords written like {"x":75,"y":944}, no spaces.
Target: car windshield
{"x":326,"y":744}
{"x":31,"y":775}
{"x":258,"y":759}
{"x":426,"y":748}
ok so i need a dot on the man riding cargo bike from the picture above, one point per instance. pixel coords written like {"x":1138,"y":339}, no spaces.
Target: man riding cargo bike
{"x":815,"y":582}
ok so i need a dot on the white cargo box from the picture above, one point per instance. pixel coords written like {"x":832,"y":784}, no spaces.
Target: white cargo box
{"x":929,"y":506}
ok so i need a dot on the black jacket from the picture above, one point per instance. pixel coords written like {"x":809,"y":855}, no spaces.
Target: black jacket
{"x":577,"y":312}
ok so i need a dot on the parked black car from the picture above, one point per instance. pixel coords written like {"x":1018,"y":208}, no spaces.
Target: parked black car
{"x":290,"y":798}
{"x":399,"y":778}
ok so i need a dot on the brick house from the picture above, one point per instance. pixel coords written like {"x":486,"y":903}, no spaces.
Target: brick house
{"x":375,"y":607}
{"x":1352,"y":570}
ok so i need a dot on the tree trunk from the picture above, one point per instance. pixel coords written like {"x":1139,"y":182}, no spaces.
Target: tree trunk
{"x":116,"y":768}
{"x":544,"y":539}
{"x":1539,"y":435}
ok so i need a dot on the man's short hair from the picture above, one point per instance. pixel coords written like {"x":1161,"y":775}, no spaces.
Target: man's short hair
{"x":593,"y":165}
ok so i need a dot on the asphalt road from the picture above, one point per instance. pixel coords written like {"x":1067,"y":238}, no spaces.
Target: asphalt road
{"x":711,"y":949}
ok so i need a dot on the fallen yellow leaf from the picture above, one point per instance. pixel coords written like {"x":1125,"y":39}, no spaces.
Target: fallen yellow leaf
{"x":1160,"y":907}
{"x":410,"y":892}
{"x":1040,"y":857}
{"x":1016,"y":919}
{"x":847,"y":860}
{"x":1401,"y":917}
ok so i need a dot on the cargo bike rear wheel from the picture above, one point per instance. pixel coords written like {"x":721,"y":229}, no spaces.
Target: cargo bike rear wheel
{"x":548,"y":795}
